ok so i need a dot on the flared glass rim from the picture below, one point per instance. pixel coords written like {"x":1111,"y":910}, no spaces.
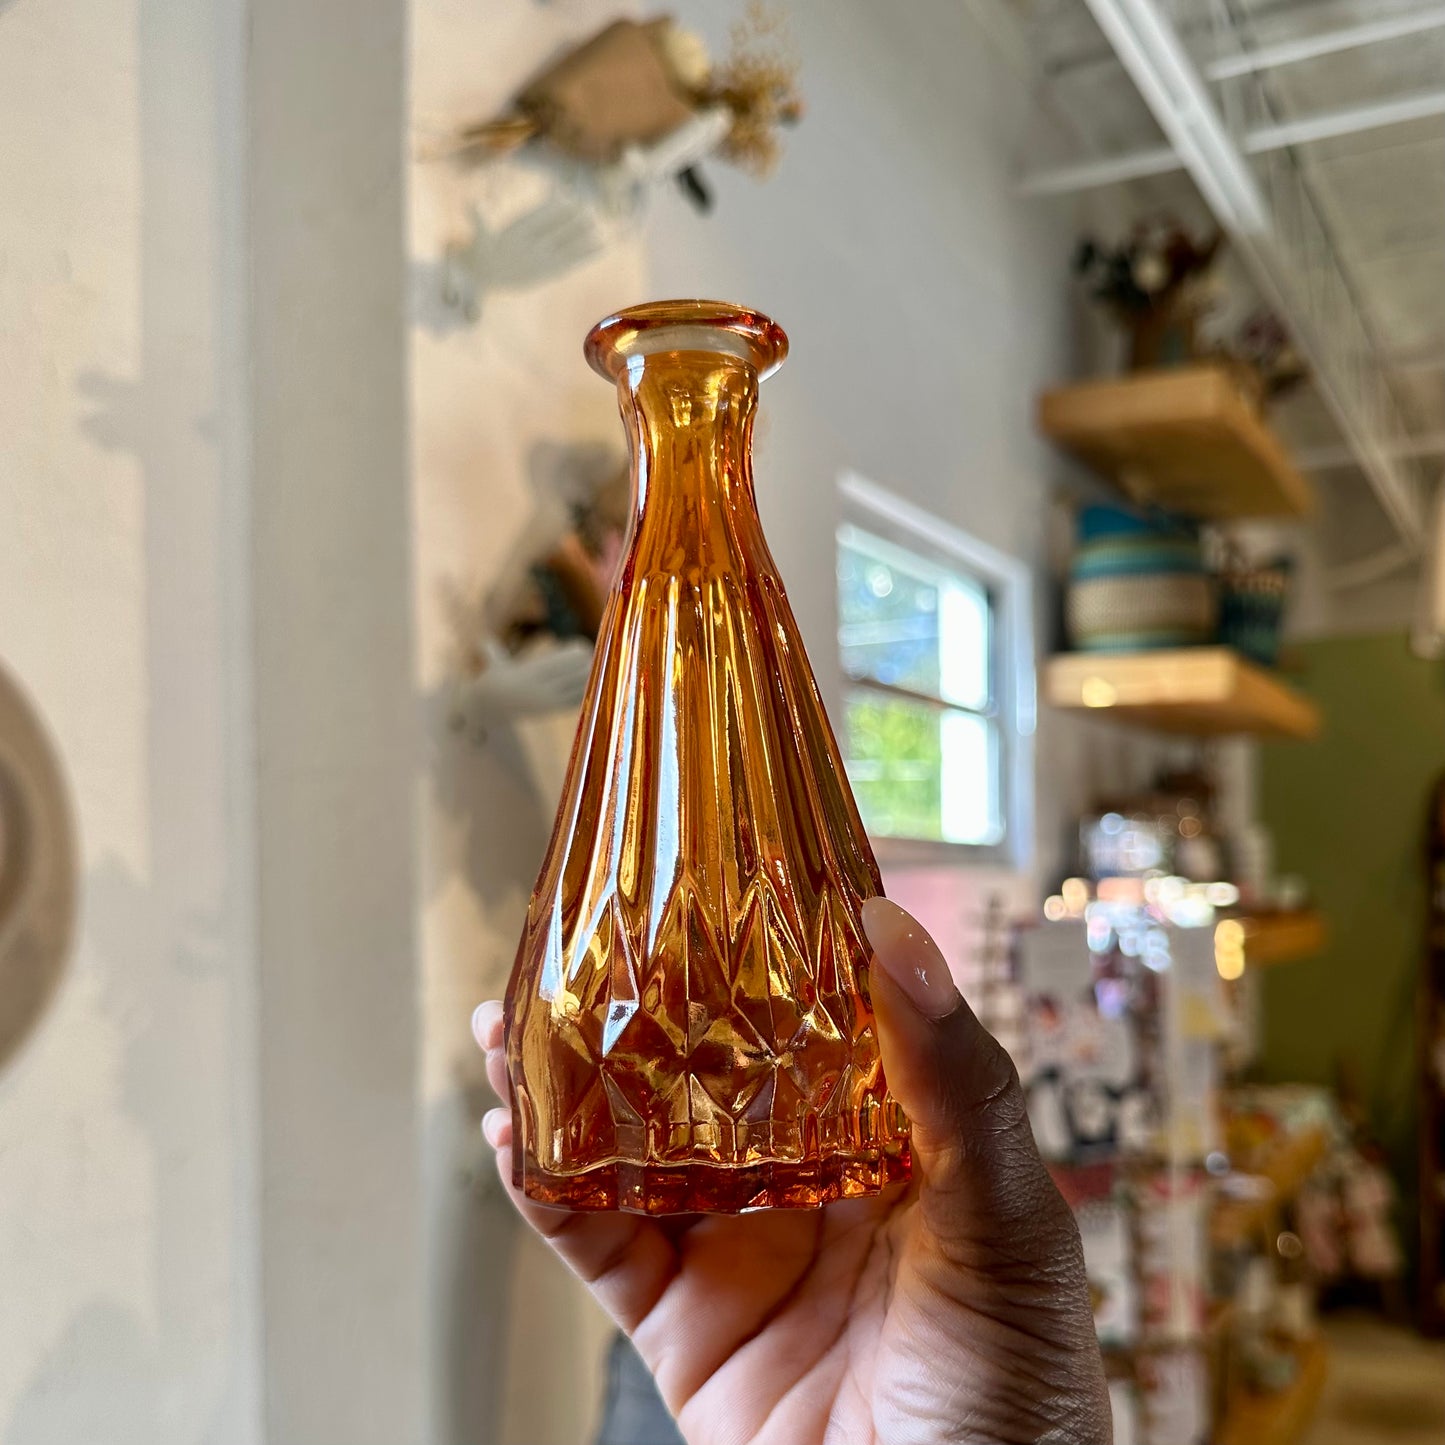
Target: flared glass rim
{"x":639,"y":330}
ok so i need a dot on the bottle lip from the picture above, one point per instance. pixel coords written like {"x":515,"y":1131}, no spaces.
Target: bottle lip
{"x":656,"y":326}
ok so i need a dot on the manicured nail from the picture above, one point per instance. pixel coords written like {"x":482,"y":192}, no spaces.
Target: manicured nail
{"x":487,"y":1024}
{"x":909,"y":957}
{"x":497,"y":1127}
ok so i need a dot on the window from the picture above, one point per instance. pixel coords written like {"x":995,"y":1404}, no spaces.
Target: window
{"x":934,"y":638}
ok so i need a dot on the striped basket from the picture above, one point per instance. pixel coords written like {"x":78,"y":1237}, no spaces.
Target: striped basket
{"x":1138,"y":587}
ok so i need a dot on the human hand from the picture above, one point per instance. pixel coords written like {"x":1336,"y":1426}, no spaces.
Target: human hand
{"x":950,"y":1310}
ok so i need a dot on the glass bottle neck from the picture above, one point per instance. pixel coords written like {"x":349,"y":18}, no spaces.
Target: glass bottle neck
{"x":689,"y":417}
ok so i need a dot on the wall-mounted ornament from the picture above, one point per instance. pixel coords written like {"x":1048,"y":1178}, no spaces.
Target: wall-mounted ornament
{"x":588,"y":208}
{"x":504,"y":686}
{"x":526,"y":648}
{"x":37,"y":868}
{"x":637,"y":104}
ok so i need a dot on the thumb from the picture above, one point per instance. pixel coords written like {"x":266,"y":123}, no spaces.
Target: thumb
{"x":982,"y":1186}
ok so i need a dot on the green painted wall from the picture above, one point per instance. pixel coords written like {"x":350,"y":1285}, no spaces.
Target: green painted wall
{"x":1348,"y":814}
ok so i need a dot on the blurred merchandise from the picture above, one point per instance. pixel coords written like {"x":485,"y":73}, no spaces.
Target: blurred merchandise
{"x":1265,"y":1364}
{"x":1124,"y":1405}
{"x":1167,"y":830}
{"x":1252,"y":605}
{"x":1201,"y":1207}
{"x":1251,"y":863}
{"x":1368,"y":1197}
{"x":1263,"y":349}
{"x":1299,"y":1154}
{"x":1157,"y":285}
{"x":1117,"y":844}
{"x":1172,"y":1211}
{"x":1102,"y":1209}
{"x":1295,"y":1292}
{"x":1086,"y":1080}
{"x":1174,"y":1397}
{"x":1138,"y":583}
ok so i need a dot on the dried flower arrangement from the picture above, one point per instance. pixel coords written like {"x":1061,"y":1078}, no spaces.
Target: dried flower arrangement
{"x":757,"y":82}
{"x":1158,"y":283}
{"x":1264,"y":346}
{"x":635,"y":85}
{"x":524,"y":646}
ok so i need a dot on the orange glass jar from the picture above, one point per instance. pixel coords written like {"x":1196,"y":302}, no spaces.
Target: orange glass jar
{"x":688,"y":1021}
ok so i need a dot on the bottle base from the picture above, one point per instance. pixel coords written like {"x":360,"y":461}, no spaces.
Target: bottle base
{"x":715,"y":1188}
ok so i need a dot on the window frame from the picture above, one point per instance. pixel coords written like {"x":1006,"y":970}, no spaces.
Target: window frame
{"x":1012,"y":669}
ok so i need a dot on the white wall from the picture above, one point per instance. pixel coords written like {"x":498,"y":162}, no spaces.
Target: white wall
{"x":128,"y":1238}
{"x":499,"y":411}
{"x":209,"y":1212}
{"x":336,"y":737}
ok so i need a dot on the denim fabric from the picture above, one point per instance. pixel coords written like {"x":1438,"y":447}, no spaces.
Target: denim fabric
{"x":633,"y":1413}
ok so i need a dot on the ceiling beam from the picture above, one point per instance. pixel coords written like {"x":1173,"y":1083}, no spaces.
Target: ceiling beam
{"x":1352,"y":120}
{"x":1416,"y":359}
{"x":1326,"y":459}
{"x":1161,"y":160}
{"x":1326,"y":42}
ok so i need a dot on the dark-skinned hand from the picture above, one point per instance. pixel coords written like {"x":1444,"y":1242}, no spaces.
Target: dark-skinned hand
{"x":950,"y":1310}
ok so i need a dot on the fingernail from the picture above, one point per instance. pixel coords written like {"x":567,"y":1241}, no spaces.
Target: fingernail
{"x":485,"y":1019}
{"x":909,"y":957}
{"x":497,"y":1127}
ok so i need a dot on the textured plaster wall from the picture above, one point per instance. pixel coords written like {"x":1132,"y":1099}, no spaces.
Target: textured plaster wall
{"x":128,"y":1208}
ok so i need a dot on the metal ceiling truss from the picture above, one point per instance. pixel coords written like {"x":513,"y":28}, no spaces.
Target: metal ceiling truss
{"x":1252,"y":181}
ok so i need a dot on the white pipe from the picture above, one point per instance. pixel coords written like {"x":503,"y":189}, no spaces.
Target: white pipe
{"x":1323,"y":459}
{"x":1427,"y":636}
{"x":1374,"y":568}
{"x":1351,"y":121}
{"x":1329,"y":42}
{"x":1089,"y":175}
{"x":1153,"y":55}
{"x":1415,"y":360}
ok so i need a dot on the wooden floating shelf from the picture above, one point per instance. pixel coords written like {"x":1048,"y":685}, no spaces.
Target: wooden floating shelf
{"x":1199,"y":690}
{"x":1279,"y":1419}
{"x":1187,"y":440}
{"x":1237,"y":1221}
{"x":1271,"y":938}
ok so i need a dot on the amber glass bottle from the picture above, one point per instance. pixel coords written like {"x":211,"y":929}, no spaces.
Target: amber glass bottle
{"x":688,"y":1022}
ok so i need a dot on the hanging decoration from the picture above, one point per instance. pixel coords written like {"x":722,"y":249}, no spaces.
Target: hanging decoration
{"x":38,"y":868}
{"x":527,"y":648}
{"x":636,"y":105}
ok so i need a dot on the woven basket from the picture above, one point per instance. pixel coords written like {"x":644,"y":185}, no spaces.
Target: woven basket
{"x":1128,"y":593}
{"x":1251,"y":612}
